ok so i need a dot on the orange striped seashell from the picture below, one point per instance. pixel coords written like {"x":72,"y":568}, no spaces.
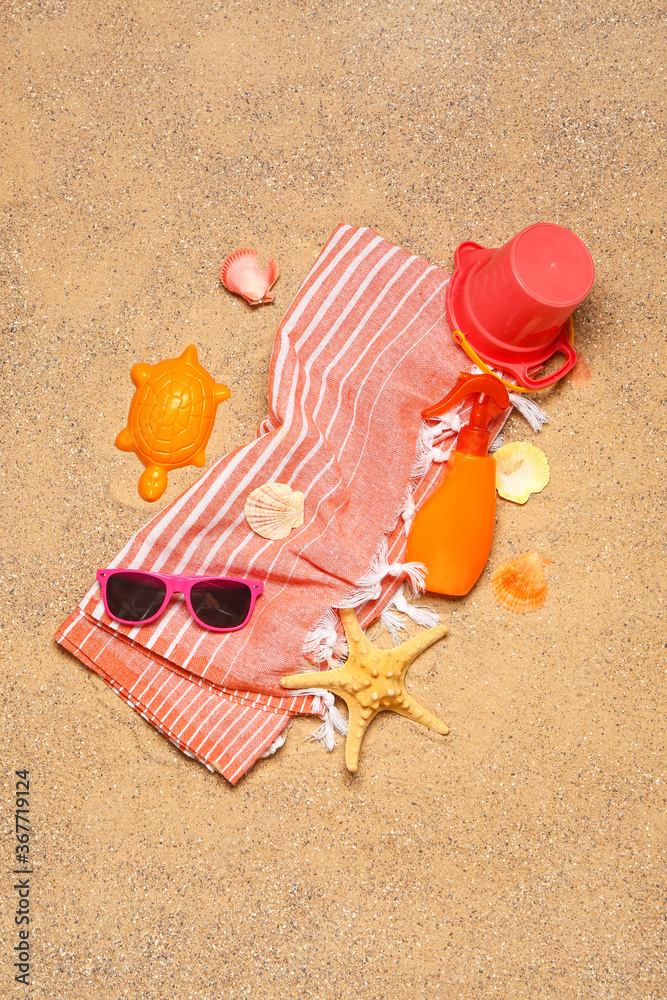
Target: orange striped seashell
{"x":241,"y":274}
{"x":520,"y":585}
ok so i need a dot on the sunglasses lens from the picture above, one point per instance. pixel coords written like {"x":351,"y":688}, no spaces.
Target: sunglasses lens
{"x":134,"y":597}
{"x":221,"y":603}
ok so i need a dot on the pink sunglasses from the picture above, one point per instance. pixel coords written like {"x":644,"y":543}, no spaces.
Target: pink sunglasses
{"x":218,"y":603}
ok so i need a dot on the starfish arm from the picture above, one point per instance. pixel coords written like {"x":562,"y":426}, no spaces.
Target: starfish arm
{"x":410,"y":650}
{"x":354,"y":633}
{"x":411,"y":709}
{"x":329,"y":679}
{"x":356,"y":729}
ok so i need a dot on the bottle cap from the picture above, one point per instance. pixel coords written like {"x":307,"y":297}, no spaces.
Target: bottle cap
{"x":474,"y":437}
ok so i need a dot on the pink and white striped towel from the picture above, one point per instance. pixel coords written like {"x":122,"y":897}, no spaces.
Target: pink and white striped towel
{"x":362,"y":349}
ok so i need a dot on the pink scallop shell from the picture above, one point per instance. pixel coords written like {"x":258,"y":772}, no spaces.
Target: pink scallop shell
{"x":242,"y":274}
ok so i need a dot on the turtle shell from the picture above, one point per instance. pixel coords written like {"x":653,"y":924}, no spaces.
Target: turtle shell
{"x":172,"y":412}
{"x":173,"y":415}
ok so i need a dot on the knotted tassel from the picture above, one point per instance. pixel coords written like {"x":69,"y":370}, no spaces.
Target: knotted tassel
{"x":370,"y":586}
{"x":427,"y":451}
{"x":333,"y":722}
{"x":408,"y":510}
{"x":323,"y":643}
{"x":419,"y":614}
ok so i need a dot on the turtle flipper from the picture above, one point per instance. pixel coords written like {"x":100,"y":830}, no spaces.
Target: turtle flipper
{"x":221,"y":392}
{"x":139,"y":373}
{"x":190,"y":354}
{"x":152,"y":482}
{"x":125,"y":440}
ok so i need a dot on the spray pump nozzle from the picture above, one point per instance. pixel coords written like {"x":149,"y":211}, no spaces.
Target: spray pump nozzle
{"x":474,"y":437}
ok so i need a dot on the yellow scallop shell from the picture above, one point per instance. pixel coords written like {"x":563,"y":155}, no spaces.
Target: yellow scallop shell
{"x":521,"y":469}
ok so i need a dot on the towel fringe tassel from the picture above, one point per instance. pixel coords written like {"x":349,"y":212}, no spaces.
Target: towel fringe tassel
{"x":408,"y":510}
{"x":427,"y":451}
{"x":333,"y":722}
{"x":323,"y":644}
{"x":419,"y":614}
{"x":529,"y":409}
{"x":278,"y":742}
{"x":370,"y":586}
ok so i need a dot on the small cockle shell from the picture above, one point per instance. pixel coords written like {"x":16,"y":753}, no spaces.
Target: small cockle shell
{"x":273,"y":510}
{"x":242,"y":274}
{"x":520,"y":585}
{"x":521,"y":469}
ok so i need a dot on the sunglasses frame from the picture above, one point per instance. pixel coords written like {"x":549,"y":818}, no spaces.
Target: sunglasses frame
{"x":178,"y":585}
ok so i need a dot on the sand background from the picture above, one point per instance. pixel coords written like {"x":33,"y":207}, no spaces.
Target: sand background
{"x":524,"y":855}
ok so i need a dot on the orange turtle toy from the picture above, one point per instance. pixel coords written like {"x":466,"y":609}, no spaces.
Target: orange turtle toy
{"x":171,"y":418}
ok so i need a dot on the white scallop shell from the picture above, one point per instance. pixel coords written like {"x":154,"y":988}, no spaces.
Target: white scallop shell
{"x":273,"y":510}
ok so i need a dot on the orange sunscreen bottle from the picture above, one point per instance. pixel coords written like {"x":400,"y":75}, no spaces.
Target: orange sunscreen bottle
{"x":452,"y":533}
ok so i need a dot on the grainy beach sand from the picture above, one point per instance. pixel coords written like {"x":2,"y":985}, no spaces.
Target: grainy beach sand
{"x":524,"y":855}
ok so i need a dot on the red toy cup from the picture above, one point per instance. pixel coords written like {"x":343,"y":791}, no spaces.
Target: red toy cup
{"x":513,"y":303}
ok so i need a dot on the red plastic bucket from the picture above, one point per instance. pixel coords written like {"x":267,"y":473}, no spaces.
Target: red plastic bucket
{"x":513,"y":303}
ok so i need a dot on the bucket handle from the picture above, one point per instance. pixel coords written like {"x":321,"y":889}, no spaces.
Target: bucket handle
{"x":564,"y":344}
{"x":561,"y":345}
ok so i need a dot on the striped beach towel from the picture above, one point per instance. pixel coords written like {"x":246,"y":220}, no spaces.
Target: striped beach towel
{"x":362,"y":349}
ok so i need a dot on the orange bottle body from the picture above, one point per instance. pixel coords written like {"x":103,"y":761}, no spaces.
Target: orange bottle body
{"x":452,"y":533}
